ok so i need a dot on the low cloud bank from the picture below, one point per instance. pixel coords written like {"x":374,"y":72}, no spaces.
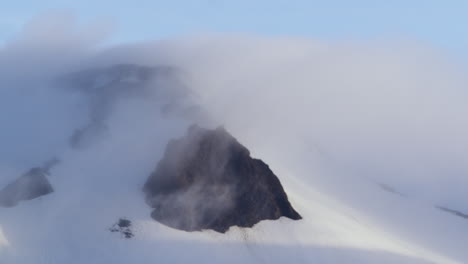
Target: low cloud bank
{"x":393,"y":113}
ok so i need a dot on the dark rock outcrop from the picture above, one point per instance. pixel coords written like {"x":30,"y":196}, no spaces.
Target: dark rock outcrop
{"x":207,"y":180}
{"x":31,"y":185}
{"x":124,"y":227}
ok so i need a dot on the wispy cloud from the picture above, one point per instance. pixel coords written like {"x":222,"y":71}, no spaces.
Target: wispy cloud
{"x":391,"y":112}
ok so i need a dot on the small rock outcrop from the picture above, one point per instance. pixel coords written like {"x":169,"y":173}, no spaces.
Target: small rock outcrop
{"x":31,"y":185}
{"x":207,"y":180}
{"x":124,"y":227}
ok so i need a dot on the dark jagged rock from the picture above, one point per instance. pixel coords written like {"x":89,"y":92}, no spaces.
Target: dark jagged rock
{"x":207,"y":180}
{"x":30,"y":185}
{"x":123,"y":226}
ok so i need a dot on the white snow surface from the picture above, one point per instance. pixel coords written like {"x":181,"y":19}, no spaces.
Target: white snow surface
{"x":332,"y":122}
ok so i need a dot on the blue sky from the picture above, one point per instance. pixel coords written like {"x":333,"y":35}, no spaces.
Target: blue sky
{"x":442,"y":23}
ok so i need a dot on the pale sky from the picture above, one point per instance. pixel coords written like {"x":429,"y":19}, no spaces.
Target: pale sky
{"x":440,"y":23}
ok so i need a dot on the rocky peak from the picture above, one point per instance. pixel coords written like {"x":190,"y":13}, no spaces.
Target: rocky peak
{"x":207,"y":180}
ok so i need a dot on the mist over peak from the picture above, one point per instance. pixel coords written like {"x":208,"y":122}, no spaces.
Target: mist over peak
{"x":103,"y":88}
{"x":334,"y":121}
{"x":207,"y":180}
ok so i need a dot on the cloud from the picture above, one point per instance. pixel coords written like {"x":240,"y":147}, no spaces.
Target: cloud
{"x":385,"y":109}
{"x":386,"y":112}
{"x":390,"y":112}
{"x":51,"y":42}
{"x":388,"y":108}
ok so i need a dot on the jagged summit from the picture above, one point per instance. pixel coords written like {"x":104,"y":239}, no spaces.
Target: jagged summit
{"x":207,"y":180}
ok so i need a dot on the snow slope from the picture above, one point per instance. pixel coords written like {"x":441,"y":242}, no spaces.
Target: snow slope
{"x":332,"y":122}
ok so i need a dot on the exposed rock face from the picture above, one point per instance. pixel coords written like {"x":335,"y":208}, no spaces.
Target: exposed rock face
{"x":30,"y":185}
{"x":124,"y":227}
{"x":207,"y":180}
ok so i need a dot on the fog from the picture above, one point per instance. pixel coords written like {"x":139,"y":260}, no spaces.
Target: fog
{"x":341,"y":117}
{"x":392,"y":112}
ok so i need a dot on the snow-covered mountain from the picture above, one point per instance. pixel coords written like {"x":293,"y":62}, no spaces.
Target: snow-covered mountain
{"x":369,"y":149}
